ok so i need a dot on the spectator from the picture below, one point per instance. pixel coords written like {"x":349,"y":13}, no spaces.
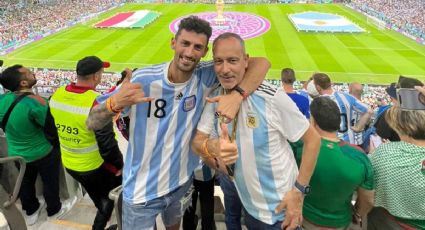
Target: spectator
{"x":93,"y":158}
{"x":265,"y":174}
{"x":338,"y":163}
{"x":288,"y":79}
{"x":347,"y":105}
{"x":37,"y":144}
{"x":383,"y":129}
{"x":355,"y":89}
{"x":399,"y":169}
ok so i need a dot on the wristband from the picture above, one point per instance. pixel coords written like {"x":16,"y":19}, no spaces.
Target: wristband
{"x":241,"y":92}
{"x":110,"y":106}
{"x":205,"y":151}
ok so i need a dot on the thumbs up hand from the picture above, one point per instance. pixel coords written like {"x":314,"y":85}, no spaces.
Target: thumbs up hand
{"x":129,"y":93}
{"x":228,"y":150}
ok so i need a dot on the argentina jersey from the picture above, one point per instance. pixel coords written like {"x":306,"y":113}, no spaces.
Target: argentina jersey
{"x":265,"y":169}
{"x":357,"y":137}
{"x":347,"y":105}
{"x":159,"y":158}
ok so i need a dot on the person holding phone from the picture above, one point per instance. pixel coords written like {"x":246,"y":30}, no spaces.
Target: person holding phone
{"x":399,"y":167}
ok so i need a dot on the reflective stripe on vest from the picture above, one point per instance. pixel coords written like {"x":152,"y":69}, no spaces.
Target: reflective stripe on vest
{"x":69,"y":108}
{"x":79,"y":148}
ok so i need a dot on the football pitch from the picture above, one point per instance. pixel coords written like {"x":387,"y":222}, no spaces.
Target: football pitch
{"x":376,"y":56}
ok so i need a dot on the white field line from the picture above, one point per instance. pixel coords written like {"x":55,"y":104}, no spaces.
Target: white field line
{"x":367,"y":48}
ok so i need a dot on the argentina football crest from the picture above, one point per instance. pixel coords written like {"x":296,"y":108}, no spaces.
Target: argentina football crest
{"x":252,"y":120}
{"x":189,"y":103}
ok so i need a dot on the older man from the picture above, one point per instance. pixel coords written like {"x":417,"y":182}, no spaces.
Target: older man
{"x":265,"y":173}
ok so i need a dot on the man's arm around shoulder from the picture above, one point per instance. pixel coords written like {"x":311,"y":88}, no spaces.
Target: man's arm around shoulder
{"x":228,"y":105}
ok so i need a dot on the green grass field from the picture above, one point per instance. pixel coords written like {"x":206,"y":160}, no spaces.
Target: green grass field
{"x":373,"y":57}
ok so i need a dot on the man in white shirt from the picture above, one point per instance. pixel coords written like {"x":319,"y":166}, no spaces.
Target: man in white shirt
{"x":265,"y":173}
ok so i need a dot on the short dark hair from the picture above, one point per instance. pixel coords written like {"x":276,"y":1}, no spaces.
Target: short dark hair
{"x":227,"y":35}
{"x":326,"y":113}
{"x":90,"y":65}
{"x":288,"y":76}
{"x":322,"y":80}
{"x":10,"y":78}
{"x":195,"y":24}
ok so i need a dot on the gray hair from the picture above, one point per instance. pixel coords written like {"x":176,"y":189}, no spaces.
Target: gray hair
{"x":410,"y":123}
{"x":230,"y":35}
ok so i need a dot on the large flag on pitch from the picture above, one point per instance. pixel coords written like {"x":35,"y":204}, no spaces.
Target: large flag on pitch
{"x":323,"y":22}
{"x":135,"y":19}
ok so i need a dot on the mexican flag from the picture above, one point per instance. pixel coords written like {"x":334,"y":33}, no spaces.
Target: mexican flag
{"x":136,"y":19}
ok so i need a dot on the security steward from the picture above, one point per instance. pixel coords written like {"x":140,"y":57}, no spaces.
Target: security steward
{"x":91,"y":157}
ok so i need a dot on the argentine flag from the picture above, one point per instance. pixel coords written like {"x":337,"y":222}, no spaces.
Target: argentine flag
{"x":136,"y":19}
{"x":323,"y":22}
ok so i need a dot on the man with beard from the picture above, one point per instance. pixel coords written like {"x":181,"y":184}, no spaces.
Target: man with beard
{"x":37,"y":144}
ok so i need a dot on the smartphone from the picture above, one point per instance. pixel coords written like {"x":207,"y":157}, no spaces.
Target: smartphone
{"x":410,"y":99}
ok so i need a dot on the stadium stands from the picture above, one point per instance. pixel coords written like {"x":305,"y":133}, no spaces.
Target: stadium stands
{"x":374,"y":96}
{"x":20,"y":23}
{"x":408,"y":15}
{"x":48,"y":80}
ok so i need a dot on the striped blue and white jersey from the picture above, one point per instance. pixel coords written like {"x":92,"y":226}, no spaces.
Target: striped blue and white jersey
{"x":358,"y":137}
{"x":159,"y":158}
{"x":265,"y":169}
{"x":347,"y":105}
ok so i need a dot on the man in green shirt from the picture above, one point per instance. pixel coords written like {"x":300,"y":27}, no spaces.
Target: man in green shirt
{"x":31,"y":134}
{"x":341,"y":170}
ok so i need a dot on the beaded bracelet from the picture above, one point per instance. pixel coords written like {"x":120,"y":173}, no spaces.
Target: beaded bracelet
{"x":205,"y":150}
{"x":110,"y":105}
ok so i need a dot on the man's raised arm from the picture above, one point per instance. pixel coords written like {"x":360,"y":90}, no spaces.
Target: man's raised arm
{"x":128,"y":94}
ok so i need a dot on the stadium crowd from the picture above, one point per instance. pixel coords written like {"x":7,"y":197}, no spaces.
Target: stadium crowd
{"x":48,"y":80}
{"x":373,"y":95}
{"x":408,"y":15}
{"x":20,"y":23}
